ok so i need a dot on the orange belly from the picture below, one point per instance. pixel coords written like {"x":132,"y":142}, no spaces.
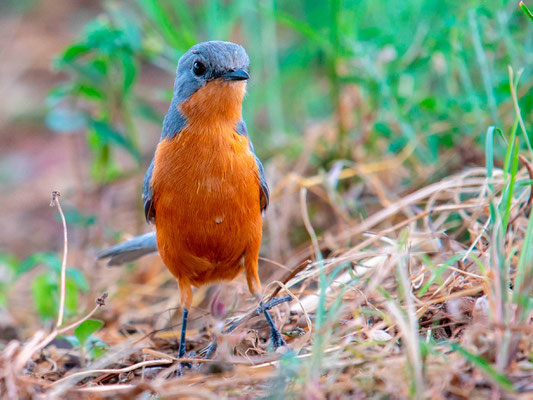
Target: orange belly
{"x":206,"y":199}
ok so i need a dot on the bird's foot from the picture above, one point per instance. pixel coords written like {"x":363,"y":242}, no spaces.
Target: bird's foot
{"x":180,"y":371}
{"x":275,"y":335}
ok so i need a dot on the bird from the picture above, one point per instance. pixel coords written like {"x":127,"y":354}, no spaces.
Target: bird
{"x":205,"y":189}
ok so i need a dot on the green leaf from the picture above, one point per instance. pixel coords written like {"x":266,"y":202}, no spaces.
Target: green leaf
{"x":105,"y":37}
{"x":49,"y":259}
{"x":95,"y":347}
{"x":86,"y":329}
{"x":429,"y":103}
{"x":78,"y":279}
{"x":71,"y":296}
{"x":127,"y":22}
{"x":484,"y":366}
{"x":97,"y":351}
{"x":129,"y":70}
{"x":73,"y":340}
{"x":73,"y":52}
{"x":44,"y":289}
{"x":107,"y":135}
{"x":90,"y":92}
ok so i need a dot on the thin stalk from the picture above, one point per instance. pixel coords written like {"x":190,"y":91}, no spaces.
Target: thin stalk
{"x":61,"y":312}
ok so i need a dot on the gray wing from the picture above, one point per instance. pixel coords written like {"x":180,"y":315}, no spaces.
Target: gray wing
{"x":149,"y":211}
{"x":264,"y":195}
{"x":131,"y":250}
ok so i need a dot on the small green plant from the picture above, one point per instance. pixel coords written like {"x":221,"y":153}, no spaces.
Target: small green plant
{"x":84,"y":339}
{"x":45,"y":286}
{"x":97,"y":97}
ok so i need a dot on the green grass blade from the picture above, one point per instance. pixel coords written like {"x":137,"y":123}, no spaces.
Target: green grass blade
{"x":484,"y":366}
{"x":489,"y":154}
{"x":509,"y":192}
{"x":509,"y":150}
{"x":437,"y":274}
{"x":526,"y":10}
{"x":514,"y":85}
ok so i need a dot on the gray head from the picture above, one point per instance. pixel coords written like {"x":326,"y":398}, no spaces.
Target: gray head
{"x":208,"y":61}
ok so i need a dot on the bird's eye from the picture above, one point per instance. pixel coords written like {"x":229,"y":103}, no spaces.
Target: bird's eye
{"x":198,"y":68}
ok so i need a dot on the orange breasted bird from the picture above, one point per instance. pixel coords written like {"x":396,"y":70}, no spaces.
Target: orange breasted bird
{"x":205,"y":189}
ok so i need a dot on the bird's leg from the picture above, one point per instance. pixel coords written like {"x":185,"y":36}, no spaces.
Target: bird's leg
{"x":185,"y":300}
{"x":254,"y":285}
{"x":275,"y":335}
{"x":181,"y":350}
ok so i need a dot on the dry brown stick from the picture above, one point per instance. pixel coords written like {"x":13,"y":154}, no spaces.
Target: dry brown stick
{"x":249,"y":360}
{"x":291,"y":275}
{"x":455,"y":295}
{"x":112,"y":371}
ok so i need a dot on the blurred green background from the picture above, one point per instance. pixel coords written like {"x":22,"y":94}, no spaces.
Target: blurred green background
{"x":430,"y":73}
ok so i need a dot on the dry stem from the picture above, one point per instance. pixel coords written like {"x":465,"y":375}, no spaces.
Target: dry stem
{"x":61,"y":312}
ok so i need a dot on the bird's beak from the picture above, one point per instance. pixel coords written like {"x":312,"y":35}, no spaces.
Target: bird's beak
{"x":238,"y":75}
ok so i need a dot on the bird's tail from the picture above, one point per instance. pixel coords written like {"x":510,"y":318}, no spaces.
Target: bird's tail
{"x":131,"y":250}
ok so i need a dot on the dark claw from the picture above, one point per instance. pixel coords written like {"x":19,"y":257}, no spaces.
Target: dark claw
{"x":179,"y":370}
{"x":275,"y":335}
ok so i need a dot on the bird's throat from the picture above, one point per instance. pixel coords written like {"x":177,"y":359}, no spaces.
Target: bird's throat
{"x":218,"y":102}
